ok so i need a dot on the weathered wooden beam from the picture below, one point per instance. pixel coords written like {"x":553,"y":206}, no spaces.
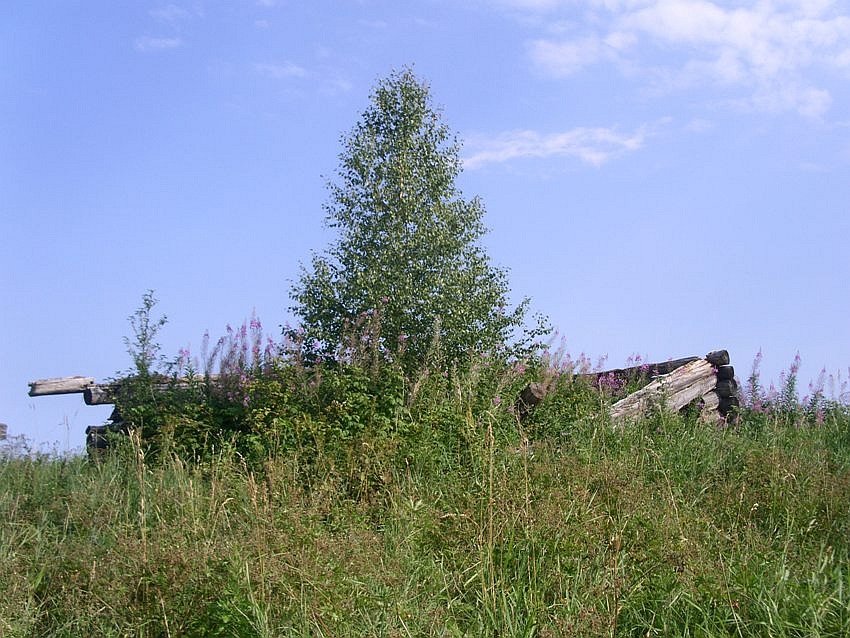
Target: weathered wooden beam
{"x":647,"y":370}
{"x":676,"y":389}
{"x":100,"y":394}
{"x":63,"y":385}
{"x":105,"y":393}
{"x":710,"y":401}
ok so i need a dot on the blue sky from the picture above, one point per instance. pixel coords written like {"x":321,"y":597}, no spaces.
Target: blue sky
{"x":661,"y":177}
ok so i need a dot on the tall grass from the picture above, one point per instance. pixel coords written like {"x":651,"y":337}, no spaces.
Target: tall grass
{"x":301,"y":496}
{"x":449,"y":519}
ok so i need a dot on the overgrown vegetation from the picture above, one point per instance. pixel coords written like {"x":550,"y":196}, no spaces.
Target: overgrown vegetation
{"x":427,"y":509}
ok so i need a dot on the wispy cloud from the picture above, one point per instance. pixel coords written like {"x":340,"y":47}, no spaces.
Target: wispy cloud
{"x":281,"y":71}
{"x":764,"y":50}
{"x":147,"y":43}
{"x":594,"y":146}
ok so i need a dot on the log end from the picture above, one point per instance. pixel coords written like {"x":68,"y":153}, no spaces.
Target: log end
{"x":718,"y":358}
{"x":61,"y":385}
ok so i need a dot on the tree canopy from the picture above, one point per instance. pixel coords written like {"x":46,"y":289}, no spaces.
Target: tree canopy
{"x":407,"y":246}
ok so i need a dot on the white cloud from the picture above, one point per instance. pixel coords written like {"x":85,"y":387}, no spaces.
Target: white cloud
{"x":148,"y":43}
{"x":281,"y":71}
{"x":767,"y":48}
{"x":594,"y":146}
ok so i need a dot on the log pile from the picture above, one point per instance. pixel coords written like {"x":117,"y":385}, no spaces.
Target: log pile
{"x":697,"y":380}
{"x":707,"y":382}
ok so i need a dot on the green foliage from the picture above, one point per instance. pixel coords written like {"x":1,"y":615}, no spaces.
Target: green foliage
{"x":143,"y":348}
{"x":666,"y":528}
{"x":570,"y":403}
{"x":408,"y":246}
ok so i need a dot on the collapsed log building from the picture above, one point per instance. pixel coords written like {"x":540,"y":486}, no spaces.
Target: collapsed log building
{"x":708,"y":383}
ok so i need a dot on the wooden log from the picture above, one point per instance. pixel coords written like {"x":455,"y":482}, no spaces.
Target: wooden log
{"x":648,"y":370}
{"x":676,"y":390}
{"x":728,"y":404}
{"x":100,"y":394}
{"x":708,"y":409}
{"x":728,"y":388}
{"x":531,"y":395}
{"x":725,"y":373}
{"x":710,"y":401}
{"x":106,"y":393}
{"x":62,"y":385}
{"x":718,"y":358}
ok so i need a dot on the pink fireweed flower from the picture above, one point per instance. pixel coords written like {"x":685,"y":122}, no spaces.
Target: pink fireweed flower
{"x":183,"y":358}
{"x":795,"y":365}
{"x":270,"y":348}
{"x":600,"y":363}
{"x":609,"y":382}
{"x":772,"y":394}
